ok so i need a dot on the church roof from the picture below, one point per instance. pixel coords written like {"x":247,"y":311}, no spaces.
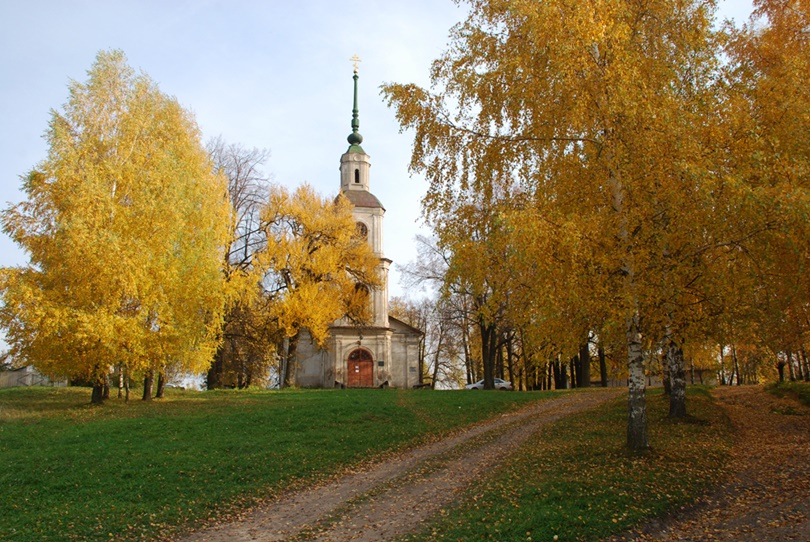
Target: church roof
{"x":363,"y":198}
{"x":403,"y":327}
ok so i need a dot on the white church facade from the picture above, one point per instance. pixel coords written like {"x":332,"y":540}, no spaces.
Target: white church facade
{"x":385,"y":352}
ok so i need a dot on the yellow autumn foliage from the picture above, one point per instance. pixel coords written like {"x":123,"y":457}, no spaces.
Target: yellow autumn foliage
{"x":124,"y":226}
{"x":314,"y":268}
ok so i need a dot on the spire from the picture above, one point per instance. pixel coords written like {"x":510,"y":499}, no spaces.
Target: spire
{"x":355,"y":138}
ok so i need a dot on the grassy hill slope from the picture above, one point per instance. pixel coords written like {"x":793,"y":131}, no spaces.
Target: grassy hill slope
{"x":142,"y":470}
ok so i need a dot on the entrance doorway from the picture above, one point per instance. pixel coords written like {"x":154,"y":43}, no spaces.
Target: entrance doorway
{"x":360,"y":369}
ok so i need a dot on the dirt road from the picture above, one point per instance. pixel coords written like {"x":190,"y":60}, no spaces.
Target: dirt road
{"x":393,"y":497}
{"x":767,"y":497}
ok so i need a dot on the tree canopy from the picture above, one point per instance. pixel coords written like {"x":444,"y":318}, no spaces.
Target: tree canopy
{"x":124,"y":226}
{"x":624,"y":182}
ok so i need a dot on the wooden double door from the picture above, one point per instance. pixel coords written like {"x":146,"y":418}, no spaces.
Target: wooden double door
{"x":360,"y":367}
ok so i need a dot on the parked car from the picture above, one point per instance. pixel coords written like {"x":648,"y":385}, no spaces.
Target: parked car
{"x":499,"y":385}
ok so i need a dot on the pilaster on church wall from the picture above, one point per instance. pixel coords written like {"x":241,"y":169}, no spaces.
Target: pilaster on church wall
{"x":337,"y":359}
{"x":330,"y":374}
{"x":381,"y":310}
{"x":377,"y":242}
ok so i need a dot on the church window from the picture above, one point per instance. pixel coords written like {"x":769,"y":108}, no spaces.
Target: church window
{"x":362,"y":230}
{"x":356,"y":175}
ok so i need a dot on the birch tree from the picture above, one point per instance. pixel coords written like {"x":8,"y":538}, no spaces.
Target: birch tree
{"x":590,"y":109}
{"x":124,"y":224}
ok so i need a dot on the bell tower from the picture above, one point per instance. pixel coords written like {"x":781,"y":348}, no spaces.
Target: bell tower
{"x":355,"y":166}
{"x":385,"y":351}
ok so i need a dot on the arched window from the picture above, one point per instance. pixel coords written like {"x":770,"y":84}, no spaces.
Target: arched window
{"x":357,"y":176}
{"x":362,"y":230}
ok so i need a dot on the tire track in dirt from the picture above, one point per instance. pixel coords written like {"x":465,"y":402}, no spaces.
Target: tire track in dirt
{"x":391,"y":498}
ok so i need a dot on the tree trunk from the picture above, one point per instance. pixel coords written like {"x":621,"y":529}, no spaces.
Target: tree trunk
{"x":489,"y":340}
{"x":499,"y":361}
{"x":422,"y":371}
{"x":573,"y":366}
{"x":602,"y":366}
{"x":147,"y":385}
{"x":736,"y":364}
{"x":126,"y":385}
{"x":790,"y":367}
{"x":677,"y":396}
{"x":722,"y":366}
{"x":468,"y":361}
{"x":120,"y":382}
{"x":510,"y":362}
{"x":436,"y":357}
{"x":806,"y":365}
{"x":799,"y":368}
{"x":665,"y":372}
{"x":288,"y":375}
{"x":563,"y":375}
{"x":559,"y":375}
{"x":213,"y":379}
{"x":637,"y":438}
{"x":584,"y":369}
{"x":161,"y":385}
{"x":97,"y":397}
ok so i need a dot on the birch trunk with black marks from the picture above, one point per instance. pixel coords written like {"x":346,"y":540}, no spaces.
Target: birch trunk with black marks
{"x":637,"y":438}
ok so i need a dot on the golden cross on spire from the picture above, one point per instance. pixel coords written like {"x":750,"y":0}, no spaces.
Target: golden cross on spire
{"x":354,"y":60}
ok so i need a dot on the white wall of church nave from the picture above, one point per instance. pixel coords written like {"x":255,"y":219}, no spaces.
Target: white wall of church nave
{"x":311,"y":363}
{"x":405,"y":349}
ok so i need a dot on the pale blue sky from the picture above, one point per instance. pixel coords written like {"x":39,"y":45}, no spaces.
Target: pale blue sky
{"x":267,"y":74}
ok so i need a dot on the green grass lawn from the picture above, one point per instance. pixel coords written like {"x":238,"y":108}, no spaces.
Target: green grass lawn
{"x":574,"y":480}
{"x":72,"y":471}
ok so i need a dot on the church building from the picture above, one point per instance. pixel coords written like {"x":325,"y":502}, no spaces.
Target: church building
{"x":386,"y":352}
